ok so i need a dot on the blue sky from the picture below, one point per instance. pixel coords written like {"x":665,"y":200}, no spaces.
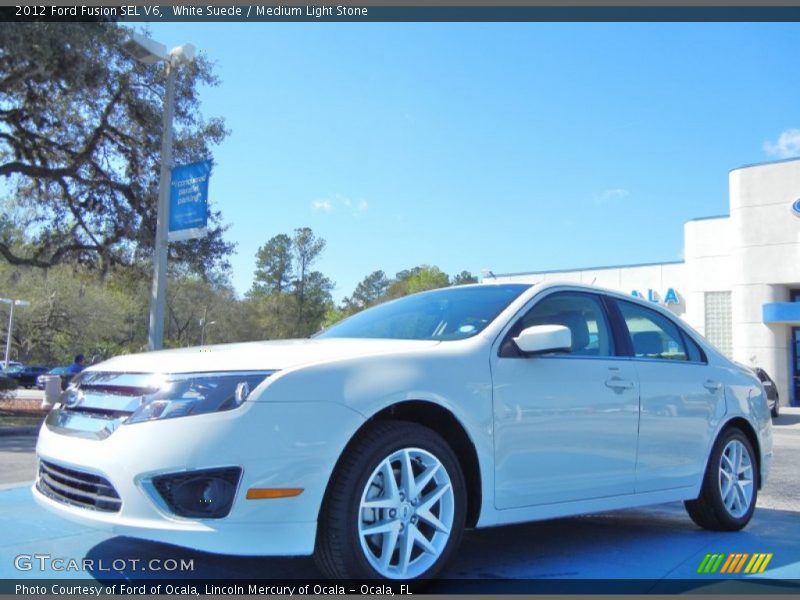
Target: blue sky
{"x":510,"y":147}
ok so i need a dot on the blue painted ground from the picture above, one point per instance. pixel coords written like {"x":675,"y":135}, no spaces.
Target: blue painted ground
{"x":655,"y":545}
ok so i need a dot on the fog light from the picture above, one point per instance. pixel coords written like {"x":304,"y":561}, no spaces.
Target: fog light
{"x":206,"y":494}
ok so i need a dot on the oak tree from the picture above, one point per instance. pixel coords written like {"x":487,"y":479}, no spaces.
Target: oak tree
{"x":80,"y":134}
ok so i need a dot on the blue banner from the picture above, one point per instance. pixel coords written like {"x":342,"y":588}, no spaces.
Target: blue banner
{"x":188,"y":201}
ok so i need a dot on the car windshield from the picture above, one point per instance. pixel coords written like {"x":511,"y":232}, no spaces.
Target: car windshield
{"x":449,"y":314}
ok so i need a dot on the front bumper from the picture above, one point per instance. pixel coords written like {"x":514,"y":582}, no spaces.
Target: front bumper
{"x":277,"y":445}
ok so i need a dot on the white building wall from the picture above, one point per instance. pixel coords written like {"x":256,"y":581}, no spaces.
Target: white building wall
{"x":707,"y":252}
{"x":754,"y":254}
{"x":766,"y":262}
{"x":641,"y":278}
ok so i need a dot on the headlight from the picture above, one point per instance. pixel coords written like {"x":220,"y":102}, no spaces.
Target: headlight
{"x":195,"y":394}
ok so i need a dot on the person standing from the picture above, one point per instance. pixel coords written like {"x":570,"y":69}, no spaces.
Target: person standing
{"x":77,"y":366}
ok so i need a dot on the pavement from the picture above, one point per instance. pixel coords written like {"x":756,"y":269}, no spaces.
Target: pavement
{"x":17,"y":458}
{"x":647,"y":550}
{"x":29,"y":394}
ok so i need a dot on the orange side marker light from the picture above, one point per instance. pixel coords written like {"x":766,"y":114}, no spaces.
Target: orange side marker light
{"x":270,"y":493}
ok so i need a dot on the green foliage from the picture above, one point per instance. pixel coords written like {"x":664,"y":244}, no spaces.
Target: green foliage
{"x":274,"y":269}
{"x":418,"y":279}
{"x":71,"y":311}
{"x":334,"y":314}
{"x":80,"y":148}
{"x":464,"y":278}
{"x":376,"y":288}
{"x":290,"y":298}
{"x":200,"y":311}
{"x":368,"y":292}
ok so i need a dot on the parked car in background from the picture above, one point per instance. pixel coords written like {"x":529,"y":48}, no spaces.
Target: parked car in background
{"x":375,"y":443}
{"x":11,"y":365}
{"x":771,"y":390}
{"x":63,"y":372}
{"x":6,"y":384}
{"x":26,"y":376}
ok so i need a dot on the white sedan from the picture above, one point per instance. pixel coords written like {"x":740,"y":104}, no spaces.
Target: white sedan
{"x":375,"y":443}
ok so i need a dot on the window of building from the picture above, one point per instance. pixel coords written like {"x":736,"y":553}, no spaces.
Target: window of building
{"x":718,"y":321}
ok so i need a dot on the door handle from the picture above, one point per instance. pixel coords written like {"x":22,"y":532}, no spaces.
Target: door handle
{"x":712,"y":386}
{"x":617,"y":383}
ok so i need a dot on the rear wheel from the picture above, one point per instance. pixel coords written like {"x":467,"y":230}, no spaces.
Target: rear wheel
{"x":730,"y":485}
{"x":395,"y":508}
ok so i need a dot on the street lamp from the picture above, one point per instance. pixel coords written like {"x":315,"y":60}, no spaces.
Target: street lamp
{"x":13,"y":303}
{"x":150,"y":52}
{"x":203,"y":326}
{"x":203,"y":322}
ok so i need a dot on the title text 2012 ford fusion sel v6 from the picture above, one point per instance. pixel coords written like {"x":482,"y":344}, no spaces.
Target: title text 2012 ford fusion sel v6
{"x":374,"y":444}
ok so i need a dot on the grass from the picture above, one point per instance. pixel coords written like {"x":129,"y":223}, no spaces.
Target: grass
{"x":20,"y":417}
{"x":20,"y":420}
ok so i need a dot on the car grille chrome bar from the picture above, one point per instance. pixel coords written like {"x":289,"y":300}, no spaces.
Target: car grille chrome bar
{"x":77,"y":488}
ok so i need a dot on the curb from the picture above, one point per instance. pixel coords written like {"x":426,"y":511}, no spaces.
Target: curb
{"x":6,"y":487}
{"x":9,"y":431}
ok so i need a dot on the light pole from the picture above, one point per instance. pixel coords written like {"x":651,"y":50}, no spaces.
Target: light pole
{"x":150,"y":52}
{"x":11,"y":323}
{"x":203,"y":322}
{"x":203,"y":325}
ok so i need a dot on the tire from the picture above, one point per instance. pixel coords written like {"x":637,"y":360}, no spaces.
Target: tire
{"x":419,"y":525}
{"x":725,"y":503}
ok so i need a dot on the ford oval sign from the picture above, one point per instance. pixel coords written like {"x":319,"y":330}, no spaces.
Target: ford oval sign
{"x":796,"y":207}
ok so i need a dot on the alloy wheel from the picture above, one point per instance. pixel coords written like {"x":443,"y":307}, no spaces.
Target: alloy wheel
{"x":736,"y":478}
{"x":406,"y":514}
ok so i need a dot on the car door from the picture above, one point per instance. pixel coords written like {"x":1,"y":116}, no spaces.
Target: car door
{"x":565,"y":423}
{"x":682,"y":399}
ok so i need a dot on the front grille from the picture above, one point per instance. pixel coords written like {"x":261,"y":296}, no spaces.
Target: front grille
{"x":77,"y":488}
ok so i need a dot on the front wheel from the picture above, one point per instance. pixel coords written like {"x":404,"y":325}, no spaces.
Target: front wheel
{"x":395,"y":508}
{"x":730,"y":485}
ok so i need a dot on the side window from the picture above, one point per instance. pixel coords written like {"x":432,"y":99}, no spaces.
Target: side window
{"x":655,"y":336}
{"x":582,"y":314}
{"x":695,"y":353}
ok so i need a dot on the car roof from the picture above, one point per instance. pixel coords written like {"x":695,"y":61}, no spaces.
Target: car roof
{"x":596,"y":289}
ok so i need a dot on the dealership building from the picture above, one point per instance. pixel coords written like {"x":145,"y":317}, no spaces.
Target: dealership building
{"x":739,"y":282}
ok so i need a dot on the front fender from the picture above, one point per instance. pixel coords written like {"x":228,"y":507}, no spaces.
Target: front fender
{"x":458,"y":381}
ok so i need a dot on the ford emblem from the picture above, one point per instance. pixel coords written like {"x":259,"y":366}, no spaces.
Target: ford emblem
{"x":796,"y":207}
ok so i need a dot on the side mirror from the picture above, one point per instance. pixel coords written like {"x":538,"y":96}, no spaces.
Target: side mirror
{"x":544,"y":338}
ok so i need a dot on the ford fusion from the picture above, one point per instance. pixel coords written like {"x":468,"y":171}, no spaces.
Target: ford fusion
{"x":375,"y":443}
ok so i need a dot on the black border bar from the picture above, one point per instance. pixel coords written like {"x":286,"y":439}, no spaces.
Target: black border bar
{"x":367,"y":13}
{"x":105,"y":587}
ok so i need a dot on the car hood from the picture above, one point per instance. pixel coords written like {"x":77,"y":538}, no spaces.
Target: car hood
{"x":256,"y":356}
